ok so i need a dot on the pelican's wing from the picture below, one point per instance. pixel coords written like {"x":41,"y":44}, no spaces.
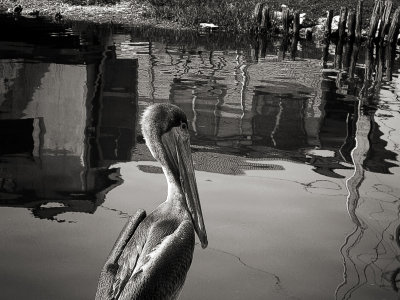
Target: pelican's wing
{"x":108,"y":272}
{"x":161,"y":272}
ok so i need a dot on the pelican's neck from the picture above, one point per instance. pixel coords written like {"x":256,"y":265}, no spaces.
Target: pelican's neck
{"x":175,"y":192}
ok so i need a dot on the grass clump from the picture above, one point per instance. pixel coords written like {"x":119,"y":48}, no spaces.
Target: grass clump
{"x":91,"y":2}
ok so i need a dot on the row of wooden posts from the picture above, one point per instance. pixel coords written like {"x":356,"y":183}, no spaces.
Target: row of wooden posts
{"x":382,"y":27}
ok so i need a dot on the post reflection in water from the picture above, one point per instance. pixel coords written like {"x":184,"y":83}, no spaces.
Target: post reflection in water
{"x":266,"y":110}
{"x":380,"y":264}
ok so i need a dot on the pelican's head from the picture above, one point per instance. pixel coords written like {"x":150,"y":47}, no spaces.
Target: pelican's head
{"x":165,"y":129}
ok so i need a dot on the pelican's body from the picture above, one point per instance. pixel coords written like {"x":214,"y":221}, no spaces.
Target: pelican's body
{"x":151,"y":257}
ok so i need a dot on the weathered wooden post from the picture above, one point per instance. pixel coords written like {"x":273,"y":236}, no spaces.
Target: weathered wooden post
{"x":380,"y":63}
{"x":328,"y":24}
{"x":293,"y":46}
{"x":342,"y":22}
{"x":285,"y":20}
{"x":296,"y":24}
{"x":373,"y":25}
{"x":296,"y":34}
{"x":369,"y":68}
{"x":348,"y":50}
{"x":339,"y":55}
{"x":257,"y":16}
{"x":341,"y":30}
{"x":265,"y":18}
{"x":263,"y":46}
{"x":258,"y":13}
{"x":353,"y":60}
{"x":283,"y":47}
{"x":394,"y":27}
{"x":325,"y":54}
{"x":351,"y":25}
{"x":255,"y":48}
{"x":358,"y":20}
{"x":385,"y":20}
{"x":389,"y":56}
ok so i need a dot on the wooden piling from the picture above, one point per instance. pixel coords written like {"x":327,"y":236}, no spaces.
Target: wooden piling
{"x":265,"y":17}
{"x":255,"y":48}
{"x":285,"y":20}
{"x":325,"y":54}
{"x":369,"y":68}
{"x":353,"y":60}
{"x":389,"y":57}
{"x":296,"y":24}
{"x":351,"y":25}
{"x":380,"y":62}
{"x":342,"y":22}
{"x":348,"y":50}
{"x":358,"y":20}
{"x":385,"y":20}
{"x":283,"y":47}
{"x":293,"y":46}
{"x":373,"y":25}
{"x":263,"y":46}
{"x":369,"y":62}
{"x":258,"y":13}
{"x":328,"y":24}
{"x":341,"y":30}
{"x":339,"y":55}
{"x":394,"y":27}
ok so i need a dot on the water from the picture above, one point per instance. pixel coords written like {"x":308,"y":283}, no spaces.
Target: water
{"x":297,"y":164}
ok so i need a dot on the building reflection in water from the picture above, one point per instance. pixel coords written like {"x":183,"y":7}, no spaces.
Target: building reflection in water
{"x":68,"y":112}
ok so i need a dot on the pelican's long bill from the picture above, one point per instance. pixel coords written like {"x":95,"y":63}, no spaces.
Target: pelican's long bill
{"x":177,"y":145}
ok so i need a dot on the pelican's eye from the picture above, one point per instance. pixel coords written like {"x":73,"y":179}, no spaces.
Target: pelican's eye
{"x":184,"y":126}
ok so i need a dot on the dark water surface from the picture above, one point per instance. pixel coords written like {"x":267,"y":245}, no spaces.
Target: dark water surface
{"x":297,"y":163}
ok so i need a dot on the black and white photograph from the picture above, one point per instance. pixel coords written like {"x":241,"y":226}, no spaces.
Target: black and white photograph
{"x":199,"y":149}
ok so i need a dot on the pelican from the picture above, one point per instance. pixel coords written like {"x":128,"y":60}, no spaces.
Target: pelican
{"x":153,"y":253}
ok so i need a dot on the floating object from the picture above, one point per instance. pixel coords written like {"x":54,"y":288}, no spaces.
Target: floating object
{"x":208,"y":27}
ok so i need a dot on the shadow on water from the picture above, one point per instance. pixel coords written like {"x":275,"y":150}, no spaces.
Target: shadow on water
{"x":70,"y":97}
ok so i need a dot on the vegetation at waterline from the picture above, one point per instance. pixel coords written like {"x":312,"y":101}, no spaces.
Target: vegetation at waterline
{"x":235,"y":15}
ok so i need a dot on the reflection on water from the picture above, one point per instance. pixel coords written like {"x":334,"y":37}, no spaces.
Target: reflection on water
{"x":64,"y":122}
{"x":70,"y":99}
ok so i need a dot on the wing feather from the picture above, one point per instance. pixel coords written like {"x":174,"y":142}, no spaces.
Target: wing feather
{"x":160,"y":273}
{"x":110,"y":267}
